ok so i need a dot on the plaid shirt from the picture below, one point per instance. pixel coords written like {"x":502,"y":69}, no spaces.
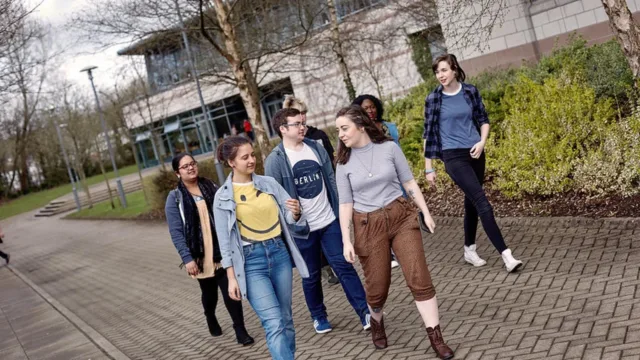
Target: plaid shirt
{"x":433,"y":148}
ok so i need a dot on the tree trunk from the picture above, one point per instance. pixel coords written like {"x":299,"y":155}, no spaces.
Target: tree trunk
{"x":245,"y":81}
{"x":627,"y":32}
{"x":83,"y":182}
{"x":104,"y":174}
{"x":137,"y":159}
{"x":337,"y":49}
{"x":24,"y":171}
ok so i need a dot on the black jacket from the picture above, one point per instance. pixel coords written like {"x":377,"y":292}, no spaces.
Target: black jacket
{"x":317,"y":134}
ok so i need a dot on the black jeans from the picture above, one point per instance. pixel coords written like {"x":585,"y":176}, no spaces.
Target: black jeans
{"x":468,"y":174}
{"x":209,"y":287}
{"x":3,"y":255}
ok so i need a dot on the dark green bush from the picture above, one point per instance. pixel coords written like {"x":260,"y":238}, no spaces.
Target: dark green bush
{"x":603,"y":67}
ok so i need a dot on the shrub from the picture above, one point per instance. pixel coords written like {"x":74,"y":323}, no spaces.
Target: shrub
{"x":603,"y":66}
{"x":613,"y":167}
{"x":408,"y":114}
{"x":159,"y":185}
{"x":549,"y":127}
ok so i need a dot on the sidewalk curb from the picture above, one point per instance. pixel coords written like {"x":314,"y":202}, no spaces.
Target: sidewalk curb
{"x":100,"y":341}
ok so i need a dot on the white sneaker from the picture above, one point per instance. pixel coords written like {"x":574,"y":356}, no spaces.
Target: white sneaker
{"x":510,"y":262}
{"x":472,"y":257}
{"x":394,"y":264}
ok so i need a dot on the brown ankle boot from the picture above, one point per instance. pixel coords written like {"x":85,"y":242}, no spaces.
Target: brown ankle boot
{"x":377,"y":333}
{"x":437,"y":343}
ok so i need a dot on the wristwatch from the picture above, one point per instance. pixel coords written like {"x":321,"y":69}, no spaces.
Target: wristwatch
{"x":429,"y":171}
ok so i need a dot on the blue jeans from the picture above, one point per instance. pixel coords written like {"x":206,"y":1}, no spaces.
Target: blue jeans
{"x":329,"y":241}
{"x":269,"y":286}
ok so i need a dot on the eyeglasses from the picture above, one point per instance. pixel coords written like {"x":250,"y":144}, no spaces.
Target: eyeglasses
{"x":296,"y":125}
{"x":192,"y":164}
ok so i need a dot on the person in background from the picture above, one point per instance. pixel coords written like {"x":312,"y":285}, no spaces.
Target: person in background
{"x":253,"y":216}
{"x":374,"y":109}
{"x":456,"y":128}
{"x":248,"y":129}
{"x":313,"y":133}
{"x":303,"y":168}
{"x":3,"y":254}
{"x":189,"y":216}
{"x":371,"y":202}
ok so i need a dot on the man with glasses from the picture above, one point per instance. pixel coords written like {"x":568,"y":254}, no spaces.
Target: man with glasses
{"x":321,"y":137}
{"x":303,"y":168}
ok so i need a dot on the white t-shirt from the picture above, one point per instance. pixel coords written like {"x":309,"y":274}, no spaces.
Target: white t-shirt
{"x":310,"y":186}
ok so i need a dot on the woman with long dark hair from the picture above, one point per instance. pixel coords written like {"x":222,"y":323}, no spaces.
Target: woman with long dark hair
{"x":253,"y":214}
{"x":375,"y":110}
{"x":456,"y":131}
{"x":370,"y":196}
{"x":190,"y":218}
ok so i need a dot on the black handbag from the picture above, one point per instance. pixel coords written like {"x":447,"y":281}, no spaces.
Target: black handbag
{"x":423,"y":224}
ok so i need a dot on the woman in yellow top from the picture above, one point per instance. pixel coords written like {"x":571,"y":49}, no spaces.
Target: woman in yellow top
{"x":253,"y":214}
{"x":190,"y":218}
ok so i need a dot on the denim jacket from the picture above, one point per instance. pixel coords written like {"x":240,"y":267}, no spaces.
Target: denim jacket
{"x":174,"y":212}
{"x":224,"y":213}
{"x":277,"y":166}
{"x":433,"y":102}
{"x":393,"y":131}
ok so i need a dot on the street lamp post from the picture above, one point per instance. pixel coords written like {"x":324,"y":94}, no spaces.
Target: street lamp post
{"x":123,"y":199}
{"x":211,"y":125}
{"x":66,"y":160}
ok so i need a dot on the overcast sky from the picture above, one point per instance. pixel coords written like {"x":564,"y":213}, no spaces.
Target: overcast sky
{"x":57,"y":13}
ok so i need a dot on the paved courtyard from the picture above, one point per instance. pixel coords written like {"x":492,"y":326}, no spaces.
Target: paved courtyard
{"x":577,"y":297}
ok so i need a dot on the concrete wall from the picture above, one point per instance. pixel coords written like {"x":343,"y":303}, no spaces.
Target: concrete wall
{"x":523,"y":38}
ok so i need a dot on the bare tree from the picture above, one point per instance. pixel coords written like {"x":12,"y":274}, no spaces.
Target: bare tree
{"x":81,"y":127}
{"x":13,"y":16}
{"x":248,"y":39}
{"x":627,"y":32}
{"x":141,"y":89}
{"x":26,"y":60}
{"x":338,"y":50}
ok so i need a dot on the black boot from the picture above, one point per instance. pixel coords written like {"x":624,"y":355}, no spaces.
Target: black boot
{"x":243,"y":336}
{"x":214,"y":327}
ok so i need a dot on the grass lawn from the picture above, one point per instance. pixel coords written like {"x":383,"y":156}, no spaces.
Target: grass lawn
{"x":39,"y":199}
{"x":102,"y":210}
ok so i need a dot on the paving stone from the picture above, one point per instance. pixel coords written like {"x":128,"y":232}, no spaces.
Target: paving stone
{"x":575,"y":298}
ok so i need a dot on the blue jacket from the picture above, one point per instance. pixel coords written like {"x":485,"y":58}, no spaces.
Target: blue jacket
{"x":174,"y":212}
{"x":224,"y":213}
{"x":393,"y":131}
{"x":277,"y":166}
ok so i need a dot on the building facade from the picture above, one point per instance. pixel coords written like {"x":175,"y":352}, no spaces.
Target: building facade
{"x":173,"y":121}
{"x":532,"y":28}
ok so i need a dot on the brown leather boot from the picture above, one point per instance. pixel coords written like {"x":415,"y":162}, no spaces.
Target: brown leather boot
{"x":437,"y":343}
{"x":377,"y":334}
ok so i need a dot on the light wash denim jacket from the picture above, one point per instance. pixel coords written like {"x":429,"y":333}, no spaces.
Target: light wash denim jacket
{"x":224,"y":213}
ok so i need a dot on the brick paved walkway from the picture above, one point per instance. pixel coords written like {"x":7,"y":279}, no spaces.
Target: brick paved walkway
{"x":31,"y":328}
{"x":576,"y":298}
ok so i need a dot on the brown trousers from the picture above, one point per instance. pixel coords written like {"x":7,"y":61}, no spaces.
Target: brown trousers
{"x":394,"y":226}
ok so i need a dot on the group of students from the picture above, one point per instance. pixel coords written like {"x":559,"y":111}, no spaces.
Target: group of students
{"x":246,"y":235}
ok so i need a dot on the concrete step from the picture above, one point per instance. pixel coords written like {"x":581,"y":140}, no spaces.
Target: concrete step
{"x":58,"y":207}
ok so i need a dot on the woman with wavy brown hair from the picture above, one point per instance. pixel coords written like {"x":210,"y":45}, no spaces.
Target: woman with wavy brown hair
{"x":370,"y":175}
{"x":456,"y":128}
